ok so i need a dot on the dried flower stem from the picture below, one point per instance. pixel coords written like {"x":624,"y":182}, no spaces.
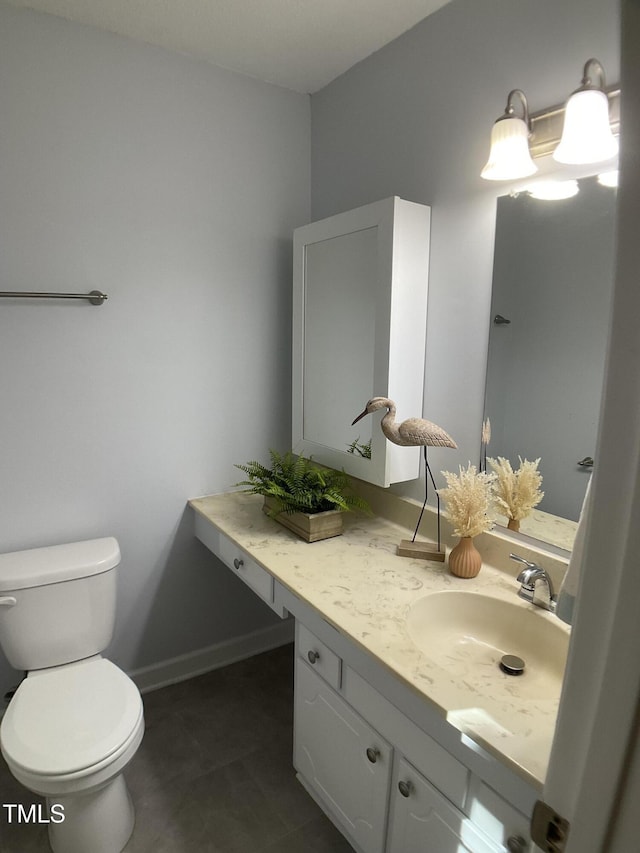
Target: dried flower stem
{"x":468,"y":500}
{"x":516,"y":493}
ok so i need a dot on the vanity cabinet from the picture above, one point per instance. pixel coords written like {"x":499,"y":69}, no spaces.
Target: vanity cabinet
{"x":388,"y":785}
{"x":378,"y":756}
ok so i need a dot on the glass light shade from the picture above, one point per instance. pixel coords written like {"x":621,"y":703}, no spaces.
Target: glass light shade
{"x":553,"y":190}
{"x":586,"y":136}
{"x":509,"y":157}
{"x":608,"y":179}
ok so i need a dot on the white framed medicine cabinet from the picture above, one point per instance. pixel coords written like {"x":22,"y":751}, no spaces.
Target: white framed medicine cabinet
{"x":360,"y":283}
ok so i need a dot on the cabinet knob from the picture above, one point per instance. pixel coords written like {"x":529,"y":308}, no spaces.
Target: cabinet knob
{"x":373,"y":754}
{"x":313,"y":656}
{"x":405,"y":788}
{"x":516,"y":844}
{"x":238,"y":562}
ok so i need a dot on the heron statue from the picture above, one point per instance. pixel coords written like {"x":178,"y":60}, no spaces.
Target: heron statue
{"x":414,"y":432}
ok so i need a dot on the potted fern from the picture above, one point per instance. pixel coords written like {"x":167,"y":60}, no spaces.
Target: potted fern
{"x":305,"y":498}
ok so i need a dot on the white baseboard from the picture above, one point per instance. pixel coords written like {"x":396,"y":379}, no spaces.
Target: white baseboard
{"x":213,"y":657}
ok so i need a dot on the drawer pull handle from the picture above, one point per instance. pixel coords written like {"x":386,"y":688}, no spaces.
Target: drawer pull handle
{"x":405,"y":788}
{"x":313,"y":656}
{"x":373,"y":754}
{"x":238,"y":563}
{"x":516,"y":844}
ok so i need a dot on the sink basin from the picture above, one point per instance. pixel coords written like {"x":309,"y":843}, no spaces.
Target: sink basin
{"x":468,"y":633}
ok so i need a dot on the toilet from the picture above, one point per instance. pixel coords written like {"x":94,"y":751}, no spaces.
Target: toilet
{"x":76,"y":720}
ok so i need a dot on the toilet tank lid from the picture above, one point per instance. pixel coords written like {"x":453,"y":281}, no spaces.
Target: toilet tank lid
{"x":57,"y":563}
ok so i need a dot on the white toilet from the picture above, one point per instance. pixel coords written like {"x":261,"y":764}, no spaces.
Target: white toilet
{"x":76,"y":721}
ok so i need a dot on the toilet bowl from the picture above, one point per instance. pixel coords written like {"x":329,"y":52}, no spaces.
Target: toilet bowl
{"x":70,"y":728}
{"x":67,"y":735}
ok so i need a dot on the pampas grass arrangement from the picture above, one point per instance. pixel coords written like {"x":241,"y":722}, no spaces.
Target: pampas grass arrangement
{"x":517,"y":492}
{"x":468,"y":500}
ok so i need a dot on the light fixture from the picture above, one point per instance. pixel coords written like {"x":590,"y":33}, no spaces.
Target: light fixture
{"x":509,"y":157}
{"x":517,"y":142}
{"x":608,"y":179}
{"x":553,"y":190}
{"x":587,"y":136}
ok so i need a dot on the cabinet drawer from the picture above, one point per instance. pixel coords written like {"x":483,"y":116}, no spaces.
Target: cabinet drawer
{"x":439,"y":766}
{"x":325,"y":662}
{"x":495,"y":817}
{"x":260,"y":581}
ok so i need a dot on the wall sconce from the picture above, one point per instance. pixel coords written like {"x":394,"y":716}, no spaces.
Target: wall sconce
{"x":551,"y":131}
{"x":509,"y":157}
{"x":587,"y":136}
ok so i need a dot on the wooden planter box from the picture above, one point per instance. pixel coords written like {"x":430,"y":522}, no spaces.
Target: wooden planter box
{"x":310,"y":527}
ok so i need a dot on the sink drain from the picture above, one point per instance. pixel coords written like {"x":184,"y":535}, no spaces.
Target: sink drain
{"x":512,"y":665}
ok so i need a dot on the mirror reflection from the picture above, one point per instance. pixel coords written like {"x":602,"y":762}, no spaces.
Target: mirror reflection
{"x":339,"y":343}
{"x":552,"y":285}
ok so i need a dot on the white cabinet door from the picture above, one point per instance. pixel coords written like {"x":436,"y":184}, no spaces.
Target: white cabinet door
{"x":423,"y":821}
{"x":363,"y":274}
{"x":342,"y":759}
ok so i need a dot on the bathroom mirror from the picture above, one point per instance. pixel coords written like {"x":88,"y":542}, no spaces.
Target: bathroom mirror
{"x":359,"y":329}
{"x":552,"y":285}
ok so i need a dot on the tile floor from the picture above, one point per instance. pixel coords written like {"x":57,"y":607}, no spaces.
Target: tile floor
{"x":214,"y":771}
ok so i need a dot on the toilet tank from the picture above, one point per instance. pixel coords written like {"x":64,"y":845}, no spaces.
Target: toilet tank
{"x":57,"y":604}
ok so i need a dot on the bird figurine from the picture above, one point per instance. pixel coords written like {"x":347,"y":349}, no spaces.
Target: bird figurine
{"x":413,"y":432}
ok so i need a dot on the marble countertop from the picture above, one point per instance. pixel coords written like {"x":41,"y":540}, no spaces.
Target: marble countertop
{"x":359,"y":585}
{"x":549,"y":528}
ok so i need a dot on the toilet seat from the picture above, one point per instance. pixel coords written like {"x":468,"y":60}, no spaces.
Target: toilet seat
{"x":84,"y":781}
{"x":72,"y":721}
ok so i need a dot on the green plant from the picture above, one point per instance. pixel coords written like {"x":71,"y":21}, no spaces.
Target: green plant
{"x":298,"y":485}
{"x":362,"y":448}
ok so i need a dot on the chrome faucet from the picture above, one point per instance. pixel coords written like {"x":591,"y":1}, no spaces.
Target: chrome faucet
{"x":529,"y":577}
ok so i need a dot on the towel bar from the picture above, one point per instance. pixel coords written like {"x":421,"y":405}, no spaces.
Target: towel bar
{"x":96,"y":297}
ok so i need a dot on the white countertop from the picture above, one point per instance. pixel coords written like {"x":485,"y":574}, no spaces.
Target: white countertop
{"x":359,"y":585}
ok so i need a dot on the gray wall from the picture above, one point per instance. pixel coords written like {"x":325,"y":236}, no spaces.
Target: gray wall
{"x":174,"y":187}
{"x":414,"y":120}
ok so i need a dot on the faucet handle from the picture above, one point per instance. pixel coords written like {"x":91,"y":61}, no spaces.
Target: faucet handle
{"x":520,"y":559}
{"x":528,"y":575}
